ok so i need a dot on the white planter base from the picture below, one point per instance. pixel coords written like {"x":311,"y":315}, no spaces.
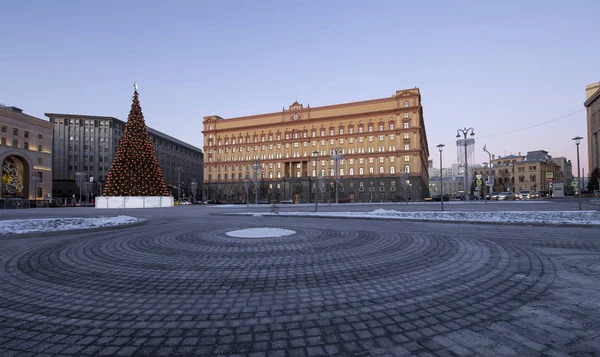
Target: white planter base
{"x":133,"y":202}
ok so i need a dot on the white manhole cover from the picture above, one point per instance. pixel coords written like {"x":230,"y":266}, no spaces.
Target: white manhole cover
{"x":260,"y":233}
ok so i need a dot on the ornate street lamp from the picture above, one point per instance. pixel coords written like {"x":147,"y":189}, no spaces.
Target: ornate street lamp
{"x":440,"y":147}
{"x":315,"y":154}
{"x":465,"y":132}
{"x":337,"y":156}
{"x":577,"y":141}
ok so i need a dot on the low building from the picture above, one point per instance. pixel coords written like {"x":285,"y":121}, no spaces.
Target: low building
{"x":87,"y":144}
{"x":25,"y":155}
{"x":533,"y":172}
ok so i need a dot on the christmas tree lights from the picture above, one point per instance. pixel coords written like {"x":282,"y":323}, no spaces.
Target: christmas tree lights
{"x":134,"y":170}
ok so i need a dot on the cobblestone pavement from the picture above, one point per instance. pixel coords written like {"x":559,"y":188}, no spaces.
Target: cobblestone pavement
{"x":179,"y":286}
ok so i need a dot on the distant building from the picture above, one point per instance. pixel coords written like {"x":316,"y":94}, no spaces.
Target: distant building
{"x":566,"y":173}
{"x":592,"y":103}
{"x":514,"y":173}
{"x":86,"y":143}
{"x":452,"y":185}
{"x":25,"y":155}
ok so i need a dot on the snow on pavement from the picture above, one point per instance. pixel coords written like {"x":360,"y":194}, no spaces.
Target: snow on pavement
{"x":19,"y":226}
{"x":547,"y":217}
{"x":261,"y":233}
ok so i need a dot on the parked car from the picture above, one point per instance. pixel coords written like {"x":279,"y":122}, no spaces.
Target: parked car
{"x":263,"y":202}
{"x":523,"y":195}
{"x":438,"y":198}
{"x":286,"y":202}
{"x":183,"y":202}
{"x":493,"y":195}
{"x":533,"y":195}
{"x":504,"y":196}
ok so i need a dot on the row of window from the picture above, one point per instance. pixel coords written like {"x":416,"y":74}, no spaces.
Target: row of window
{"x":323,"y":172}
{"x":296,"y":134}
{"x":15,"y":144}
{"x":15,"y":131}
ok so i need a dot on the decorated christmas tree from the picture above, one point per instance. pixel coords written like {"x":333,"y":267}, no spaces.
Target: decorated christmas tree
{"x":134,"y":170}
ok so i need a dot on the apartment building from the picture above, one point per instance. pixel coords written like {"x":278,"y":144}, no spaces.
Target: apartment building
{"x":592,"y":104}
{"x":370,"y":147}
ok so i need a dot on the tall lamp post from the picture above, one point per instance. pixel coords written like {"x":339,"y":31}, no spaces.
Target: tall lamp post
{"x":440,"y":147}
{"x":465,"y":132}
{"x":178,"y":169}
{"x":80,"y":176}
{"x":490,"y":177}
{"x":577,"y":141}
{"x":36,"y":178}
{"x":315,"y":154}
{"x":256,"y":168}
{"x":337,"y":156}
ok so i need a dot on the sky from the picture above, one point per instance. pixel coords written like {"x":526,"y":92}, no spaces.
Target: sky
{"x":497,"y":67}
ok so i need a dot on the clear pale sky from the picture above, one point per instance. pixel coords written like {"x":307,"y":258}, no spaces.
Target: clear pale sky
{"x":495,"y":67}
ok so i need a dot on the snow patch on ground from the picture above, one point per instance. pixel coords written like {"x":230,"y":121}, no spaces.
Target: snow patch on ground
{"x":261,"y":233}
{"x":551,"y":217}
{"x":19,"y":226}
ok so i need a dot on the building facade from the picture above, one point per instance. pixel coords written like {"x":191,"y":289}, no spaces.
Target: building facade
{"x":87,"y":144}
{"x":592,"y":104}
{"x":25,"y":155}
{"x":372,"y":148}
{"x":514,"y":173}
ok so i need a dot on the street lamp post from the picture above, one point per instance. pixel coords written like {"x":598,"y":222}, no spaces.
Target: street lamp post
{"x":315,"y":154}
{"x":440,"y":147}
{"x":490,"y":176}
{"x":178,"y":169}
{"x":577,"y":141}
{"x":36,"y":178}
{"x":80,"y":181}
{"x":337,"y":156}
{"x":465,"y":132}
{"x":256,"y":168}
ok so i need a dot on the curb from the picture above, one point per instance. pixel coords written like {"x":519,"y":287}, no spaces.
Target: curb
{"x":569,"y":225}
{"x":140,"y":222}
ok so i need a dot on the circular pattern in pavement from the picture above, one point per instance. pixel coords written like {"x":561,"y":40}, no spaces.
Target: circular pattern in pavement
{"x":180,"y":290}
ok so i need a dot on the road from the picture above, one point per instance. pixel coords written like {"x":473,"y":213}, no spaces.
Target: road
{"x":179,"y":286}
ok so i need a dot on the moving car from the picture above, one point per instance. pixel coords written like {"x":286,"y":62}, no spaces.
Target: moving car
{"x":504,"y":196}
{"x":533,"y":195}
{"x":286,"y":202}
{"x":263,"y":202}
{"x":524,"y":195}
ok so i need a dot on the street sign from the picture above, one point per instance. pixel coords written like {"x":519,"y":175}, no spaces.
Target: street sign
{"x":549,"y":175}
{"x":479,"y":182}
{"x":91,"y":178}
{"x":478,"y":177}
{"x":574,"y":184}
{"x":549,"y":179}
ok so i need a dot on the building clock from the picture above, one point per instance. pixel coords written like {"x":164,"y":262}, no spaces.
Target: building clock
{"x":296,"y":116}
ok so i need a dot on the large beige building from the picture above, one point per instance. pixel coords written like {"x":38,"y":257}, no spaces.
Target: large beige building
{"x":25,"y":155}
{"x":282,"y":153}
{"x":592,"y":103}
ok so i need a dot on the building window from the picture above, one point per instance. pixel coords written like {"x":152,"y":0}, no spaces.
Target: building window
{"x":15,"y":143}
{"x":361,"y":171}
{"x":406,"y":147}
{"x":26,"y":134}
{"x":26,"y":145}
{"x":40,"y":161}
{"x":351,"y":130}
{"x":371,"y":170}
{"x":15,"y":131}
{"x":351,"y":171}
{"x":407,"y":168}
{"x":391,"y":126}
{"x":406,"y":104}
{"x":392,"y":171}
{"x":40,"y":147}
{"x":3,"y":128}
{"x":381,"y":170}
{"x":381,"y":127}
{"x":406,"y":136}
{"x":406,"y":158}
{"x":406,"y":125}
{"x":406,"y":115}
